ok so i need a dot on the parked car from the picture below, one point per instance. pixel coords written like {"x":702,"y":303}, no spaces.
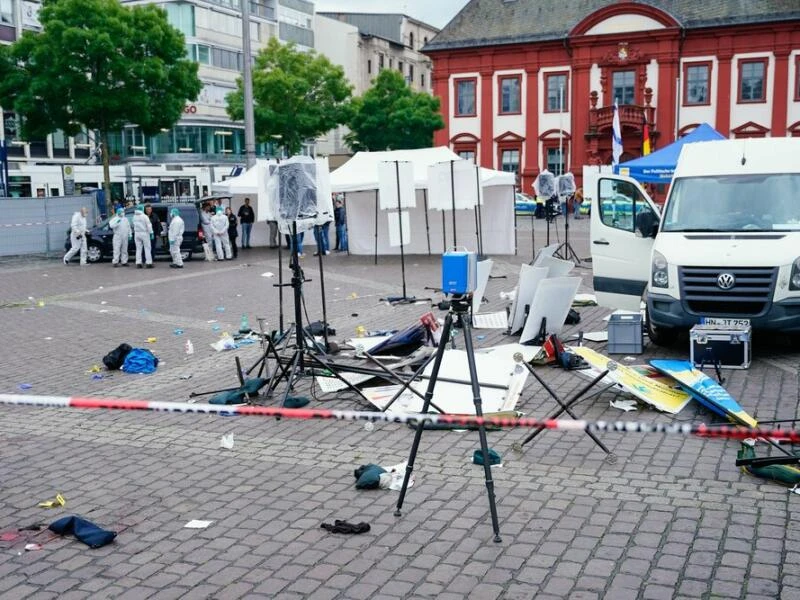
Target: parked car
{"x":524,"y":204}
{"x":99,"y":239}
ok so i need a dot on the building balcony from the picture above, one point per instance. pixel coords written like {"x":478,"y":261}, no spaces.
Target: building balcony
{"x":632,"y":116}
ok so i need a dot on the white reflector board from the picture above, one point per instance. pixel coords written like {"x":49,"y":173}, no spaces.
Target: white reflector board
{"x":529,"y":278}
{"x":484,"y":270}
{"x":552,"y":301}
{"x":461,"y":177}
{"x":388,"y":172}
{"x":394,"y":228}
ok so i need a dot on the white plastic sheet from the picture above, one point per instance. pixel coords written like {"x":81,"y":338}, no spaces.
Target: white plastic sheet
{"x":389,"y":172}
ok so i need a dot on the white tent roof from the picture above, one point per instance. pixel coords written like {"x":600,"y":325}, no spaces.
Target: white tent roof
{"x":246,"y":183}
{"x":361,"y":172}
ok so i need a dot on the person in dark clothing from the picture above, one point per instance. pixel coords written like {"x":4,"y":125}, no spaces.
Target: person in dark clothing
{"x":232,"y":232}
{"x":154,"y":221}
{"x":247,"y":217}
{"x":340,"y":220}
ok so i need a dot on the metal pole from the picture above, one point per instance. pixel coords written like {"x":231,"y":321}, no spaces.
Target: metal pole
{"x":561,"y":130}
{"x":247,"y":79}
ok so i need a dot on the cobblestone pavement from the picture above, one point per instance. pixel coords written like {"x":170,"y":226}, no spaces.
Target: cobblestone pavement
{"x":672,"y":518}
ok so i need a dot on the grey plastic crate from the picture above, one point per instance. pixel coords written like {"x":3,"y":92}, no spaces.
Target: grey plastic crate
{"x":625,"y":334}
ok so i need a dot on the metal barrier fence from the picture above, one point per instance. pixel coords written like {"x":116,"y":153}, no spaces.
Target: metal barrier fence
{"x":39,"y":225}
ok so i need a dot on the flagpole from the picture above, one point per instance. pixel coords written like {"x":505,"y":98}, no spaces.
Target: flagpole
{"x":561,"y":129}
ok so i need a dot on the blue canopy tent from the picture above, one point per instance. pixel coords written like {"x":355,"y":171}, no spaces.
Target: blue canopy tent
{"x":659,"y":166}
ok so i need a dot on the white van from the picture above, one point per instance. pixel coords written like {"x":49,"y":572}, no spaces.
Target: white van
{"x":726,"y":248}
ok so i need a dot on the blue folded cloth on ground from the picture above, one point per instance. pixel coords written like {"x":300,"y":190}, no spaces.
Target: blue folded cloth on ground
{"x":86,"y":531}
{"x":140,"y":360}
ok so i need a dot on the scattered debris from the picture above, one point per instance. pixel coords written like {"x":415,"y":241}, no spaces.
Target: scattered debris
{"x":268,"y":274}
{"x":197,"y":524}
{"x":86,"y":531}
{"x":31,"y":547}
{"x":345,"y":527}
{"x":151,"y":340}
{"x":188,"y":348}
{"x":226,"y":441}
{"x":623,"y":405}
{"x":94,"y":369}
{"x":55,"y":503}
{"x":220,"y":309}
{"x":185,"y":377}
{"x":24,"y":386}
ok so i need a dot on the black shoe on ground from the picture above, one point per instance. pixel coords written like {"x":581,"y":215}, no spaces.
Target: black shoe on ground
{"x":139,"y":266}
{"x":150,"y":266}
{"x":115,"y":265}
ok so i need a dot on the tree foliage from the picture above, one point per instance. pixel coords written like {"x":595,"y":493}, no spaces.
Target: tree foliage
{"x":392,"y":116}
{"x":296,"y":96}
{"x":99,"y":65}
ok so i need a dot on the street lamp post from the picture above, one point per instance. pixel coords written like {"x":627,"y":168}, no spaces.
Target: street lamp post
{"x":247,"y":79}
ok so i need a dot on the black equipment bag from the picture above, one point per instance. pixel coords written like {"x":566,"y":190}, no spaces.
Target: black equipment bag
{"x":116,"y":358}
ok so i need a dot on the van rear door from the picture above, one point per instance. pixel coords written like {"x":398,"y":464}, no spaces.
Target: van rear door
{"x":623,"y":225}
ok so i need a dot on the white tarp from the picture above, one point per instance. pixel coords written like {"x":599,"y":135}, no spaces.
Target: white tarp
{"x":431,"y":230}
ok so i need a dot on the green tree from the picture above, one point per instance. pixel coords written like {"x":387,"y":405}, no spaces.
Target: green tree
{"x":98,"y":65}
{"x":296,"y":96}
{"x":392,"y":116}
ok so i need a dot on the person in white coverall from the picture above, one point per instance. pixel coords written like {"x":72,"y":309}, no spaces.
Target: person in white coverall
{"x":142,"y":234}
{"x":122,"y":234}
{"x":77,"y":236}
{"x":175,"y":235}
{"x":205,"y":221}
{"x":219,"y":225}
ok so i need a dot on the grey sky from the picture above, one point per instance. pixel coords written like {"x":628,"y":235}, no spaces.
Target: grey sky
{"x":434,"y":12}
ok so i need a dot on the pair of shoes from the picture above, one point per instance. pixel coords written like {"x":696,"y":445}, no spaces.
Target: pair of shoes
{"x":174,"y":266}
{"x":139,"y":266}
{"x":126,"y":264}
{"x":229,"y":258}
{"x":115,"y":265}
{"x":316,"y":253}
{"x":150,"y":266}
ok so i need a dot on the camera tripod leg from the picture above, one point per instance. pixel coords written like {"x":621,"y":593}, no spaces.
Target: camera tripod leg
{"x":437,"y":362}
{"x":476,"y":398}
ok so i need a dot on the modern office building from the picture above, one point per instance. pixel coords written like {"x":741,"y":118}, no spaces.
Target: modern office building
{"x":205,"y":134}
{"x":529,"y":84}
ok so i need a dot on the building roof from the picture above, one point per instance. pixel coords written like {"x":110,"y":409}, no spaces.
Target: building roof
{"x":494,"y":22}
{"x":382,"y":25}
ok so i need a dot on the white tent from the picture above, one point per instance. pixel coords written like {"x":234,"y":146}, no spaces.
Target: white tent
{"x":246,"y":183}
{"x":431,"y":230}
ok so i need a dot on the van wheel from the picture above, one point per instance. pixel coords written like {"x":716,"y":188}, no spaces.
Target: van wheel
{"x":660,"y":336}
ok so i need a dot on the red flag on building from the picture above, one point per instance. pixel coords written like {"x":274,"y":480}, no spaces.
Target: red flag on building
{"x":646,"y":148}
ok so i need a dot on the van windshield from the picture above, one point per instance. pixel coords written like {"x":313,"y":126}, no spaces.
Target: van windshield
{"x":734,"y":203}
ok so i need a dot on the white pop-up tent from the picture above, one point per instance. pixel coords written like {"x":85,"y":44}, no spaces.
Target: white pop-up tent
{"x":431,"y":230}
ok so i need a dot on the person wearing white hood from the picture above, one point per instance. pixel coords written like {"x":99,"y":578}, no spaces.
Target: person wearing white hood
{"x":77,"y":236}
{"x":219,"y":225}
{"x":142,"y":234}
{"x":175,"y":235}
{"x":122,"y":234}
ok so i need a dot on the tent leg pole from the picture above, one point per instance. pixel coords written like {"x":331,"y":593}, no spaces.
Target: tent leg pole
{"x":376,"y":227}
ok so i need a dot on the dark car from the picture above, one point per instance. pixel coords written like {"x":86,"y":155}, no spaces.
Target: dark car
{"x":99,"y":238}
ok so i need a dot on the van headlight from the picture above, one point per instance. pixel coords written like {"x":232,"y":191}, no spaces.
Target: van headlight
{"x":794,"y":280}
{"x":660,"y":277}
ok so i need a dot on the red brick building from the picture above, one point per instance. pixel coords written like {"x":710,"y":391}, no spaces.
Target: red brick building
{"x":520,"y":81}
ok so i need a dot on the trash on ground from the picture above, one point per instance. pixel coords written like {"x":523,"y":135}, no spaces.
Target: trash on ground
{"x":59,"y":500}
{"x":226,"y":441}
{"x":103,"y":302}
{"x":94,"y":369}
{"x":224,"y":343}
{"x":31,"y":547}
{"x":188,"y":347}
{"x":220,"y":309}
{"x":151,"y":340}
{"x":140,"y":360}
{"x":185,"y":376}
{"x":624,"y":405}
{"x":177,"y":331}
{"x":494,"y":458}
{"x":345,"y":527}
{"x":24,"y":386}
{"x":197,"y":524}
{"x":268,"y":274}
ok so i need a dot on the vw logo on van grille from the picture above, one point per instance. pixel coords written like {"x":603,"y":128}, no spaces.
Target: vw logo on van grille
{"x":726,"y":281}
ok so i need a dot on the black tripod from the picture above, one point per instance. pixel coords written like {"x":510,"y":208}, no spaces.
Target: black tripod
{"x":291,"y":368}
{"x":459,"y":309}
{"x":565,"y":251}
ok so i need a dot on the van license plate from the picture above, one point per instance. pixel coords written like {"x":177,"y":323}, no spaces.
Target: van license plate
{"x":725,"y":322}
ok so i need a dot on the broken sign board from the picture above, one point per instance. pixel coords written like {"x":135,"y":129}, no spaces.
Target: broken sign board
{"x":649,"y":390}
{"x":552,"y":302}
{"x":334,"y":384}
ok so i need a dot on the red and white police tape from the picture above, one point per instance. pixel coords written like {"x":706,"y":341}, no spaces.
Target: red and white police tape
{"x":717,"y":431}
